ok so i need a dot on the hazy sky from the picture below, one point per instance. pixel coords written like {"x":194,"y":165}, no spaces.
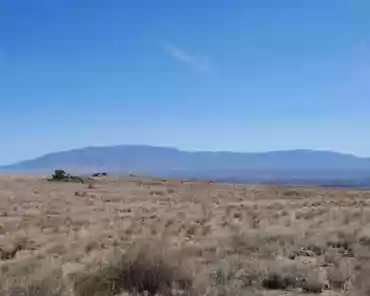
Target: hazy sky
{"x":239,"y":75}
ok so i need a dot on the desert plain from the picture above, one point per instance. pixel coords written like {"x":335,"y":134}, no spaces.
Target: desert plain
{"x":147,"y":236}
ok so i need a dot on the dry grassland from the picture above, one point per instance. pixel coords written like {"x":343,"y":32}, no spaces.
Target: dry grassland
{"x":142,"y":236}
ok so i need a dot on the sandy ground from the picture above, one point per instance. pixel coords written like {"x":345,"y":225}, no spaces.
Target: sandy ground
{"x":119,"y":237}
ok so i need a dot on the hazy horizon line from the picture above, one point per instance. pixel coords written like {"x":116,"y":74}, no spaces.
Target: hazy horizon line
{"x":187,"y":150}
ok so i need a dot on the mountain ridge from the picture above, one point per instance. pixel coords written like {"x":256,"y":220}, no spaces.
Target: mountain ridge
{"x":152,"y":159}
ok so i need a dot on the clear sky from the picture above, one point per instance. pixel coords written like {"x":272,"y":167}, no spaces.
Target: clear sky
{"x":237,"y":75}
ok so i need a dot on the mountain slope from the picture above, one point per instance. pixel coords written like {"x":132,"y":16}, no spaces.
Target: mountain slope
{"x":164,"y":160}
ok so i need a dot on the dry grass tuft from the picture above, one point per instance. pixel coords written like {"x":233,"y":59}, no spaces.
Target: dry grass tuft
{"x":135,"y":272}
{"x":277,"y":281}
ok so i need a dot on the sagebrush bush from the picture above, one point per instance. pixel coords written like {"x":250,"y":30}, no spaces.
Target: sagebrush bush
{"x":134,"y":273}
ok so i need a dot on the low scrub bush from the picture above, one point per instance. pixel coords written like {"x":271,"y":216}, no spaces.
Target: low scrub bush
{"x":143,"y":272}
{"x":62,"y":176}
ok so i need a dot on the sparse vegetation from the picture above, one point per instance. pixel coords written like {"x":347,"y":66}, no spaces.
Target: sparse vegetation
{"x":181,"y":238}
{"x":103,"y":174}
{"x":62,"y":176}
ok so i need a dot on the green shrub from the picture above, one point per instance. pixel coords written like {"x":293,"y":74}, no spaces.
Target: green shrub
{"x":62,"y":176}
{"x":59,"y":175}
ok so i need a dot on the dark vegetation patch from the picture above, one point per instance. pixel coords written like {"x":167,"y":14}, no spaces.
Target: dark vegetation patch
{"x":140,"y":273}
{"x":62,"y":176}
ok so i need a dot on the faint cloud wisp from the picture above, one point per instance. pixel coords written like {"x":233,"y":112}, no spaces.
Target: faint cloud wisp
{"x":195,"y":61}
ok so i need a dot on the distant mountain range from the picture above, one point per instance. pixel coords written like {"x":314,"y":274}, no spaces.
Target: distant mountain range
{"x":294,"y":165}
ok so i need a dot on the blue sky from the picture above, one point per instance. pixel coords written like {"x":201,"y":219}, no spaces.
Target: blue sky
{"x":218,"y":75}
